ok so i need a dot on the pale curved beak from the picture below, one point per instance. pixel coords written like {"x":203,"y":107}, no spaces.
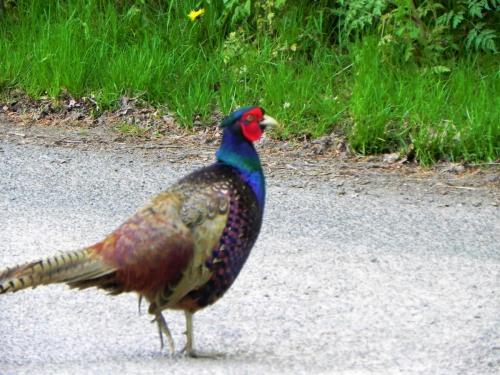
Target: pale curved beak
{"x":268,"y":122}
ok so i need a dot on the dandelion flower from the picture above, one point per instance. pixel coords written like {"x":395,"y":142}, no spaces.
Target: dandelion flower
{"x":195,"y":14}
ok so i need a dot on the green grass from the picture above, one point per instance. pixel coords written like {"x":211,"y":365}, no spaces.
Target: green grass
{"x":97,"y":48}
{"x":455,"y":116}
{"x":130,"y":129}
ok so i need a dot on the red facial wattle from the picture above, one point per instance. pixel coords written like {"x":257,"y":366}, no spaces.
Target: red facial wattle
{"x":250,"y":124}
{"x":252,"y":131}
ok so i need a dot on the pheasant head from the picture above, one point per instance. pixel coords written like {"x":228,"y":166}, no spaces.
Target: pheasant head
{"x":249,"y":122}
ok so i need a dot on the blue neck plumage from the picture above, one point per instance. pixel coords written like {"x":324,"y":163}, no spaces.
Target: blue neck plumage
{"x":240,"y":154}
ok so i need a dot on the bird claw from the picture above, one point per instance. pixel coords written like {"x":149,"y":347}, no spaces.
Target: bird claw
{"x":195,"y":354}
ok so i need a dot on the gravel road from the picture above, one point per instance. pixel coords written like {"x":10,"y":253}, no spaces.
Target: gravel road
{"x":346,"y":277}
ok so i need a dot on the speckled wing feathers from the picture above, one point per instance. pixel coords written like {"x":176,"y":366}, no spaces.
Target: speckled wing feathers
{"x":242,"y":226}
{"x":204,"y":211}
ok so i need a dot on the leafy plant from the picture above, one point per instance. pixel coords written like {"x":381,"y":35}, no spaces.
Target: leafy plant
{"x":430,"y":30}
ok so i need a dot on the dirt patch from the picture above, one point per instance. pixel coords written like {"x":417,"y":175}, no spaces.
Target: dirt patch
{"x":136,"y":128}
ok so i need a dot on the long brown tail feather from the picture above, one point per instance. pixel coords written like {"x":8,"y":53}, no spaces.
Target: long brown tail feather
{"x":77,"y":268}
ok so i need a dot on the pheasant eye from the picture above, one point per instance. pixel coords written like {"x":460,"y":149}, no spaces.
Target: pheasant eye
{"x":250,"y":118}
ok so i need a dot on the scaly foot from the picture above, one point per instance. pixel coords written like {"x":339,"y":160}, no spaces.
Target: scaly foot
{"x":195,"y":354}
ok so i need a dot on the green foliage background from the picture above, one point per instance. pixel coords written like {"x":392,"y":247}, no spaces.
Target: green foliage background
{"x":389,"y":74}
{"x":416,"y":30}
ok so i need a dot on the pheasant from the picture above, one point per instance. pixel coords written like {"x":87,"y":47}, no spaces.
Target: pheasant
{"x":183,"y":249}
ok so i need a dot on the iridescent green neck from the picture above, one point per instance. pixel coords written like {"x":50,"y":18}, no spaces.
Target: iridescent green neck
{"x":238,"y":152}
{"x":241,"y":155}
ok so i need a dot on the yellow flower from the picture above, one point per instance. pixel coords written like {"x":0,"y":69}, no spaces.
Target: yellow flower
{"x":195,"y":14}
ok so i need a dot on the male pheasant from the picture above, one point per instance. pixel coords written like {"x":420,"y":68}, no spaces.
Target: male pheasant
{"x":185,"y":248}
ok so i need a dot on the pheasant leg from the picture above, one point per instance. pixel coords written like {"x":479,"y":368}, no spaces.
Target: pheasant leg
{"x":189,"y":334}
{"x":188,"y":349}
{"x":163,"y":329}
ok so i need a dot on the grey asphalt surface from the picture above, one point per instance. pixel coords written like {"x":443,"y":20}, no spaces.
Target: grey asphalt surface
{"x":384,"y":281}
